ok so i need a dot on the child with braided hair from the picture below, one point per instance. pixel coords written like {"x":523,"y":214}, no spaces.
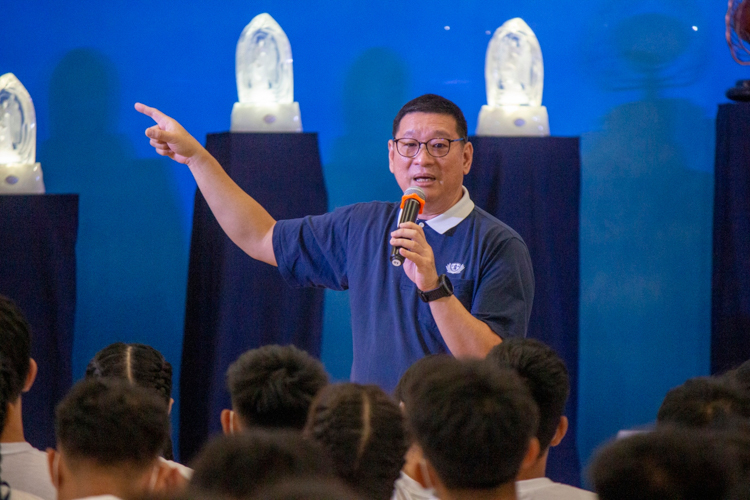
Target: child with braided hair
{"x":144,"y":366}
{"x":362,"y":429}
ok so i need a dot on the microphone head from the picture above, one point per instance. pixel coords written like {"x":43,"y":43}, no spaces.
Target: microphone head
{"x":417,"y":191}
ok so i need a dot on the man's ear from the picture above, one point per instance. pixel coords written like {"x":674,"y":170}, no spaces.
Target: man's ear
{"x":226,"y":421}
{"x":53,"y":465}
{"x":468,"y":157}
{"x":562,"y":429}
{"x":31,"y":376}
{"x":532,"y":455}
{"x":171,"y":402}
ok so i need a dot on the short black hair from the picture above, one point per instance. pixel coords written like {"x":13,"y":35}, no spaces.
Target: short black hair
{"x":111,"y":422}
{"x":15,"y":344}
{"x":544,"y":373}
{"x":431,"y":103}
{"x":362,"y":429}
{"x":273,"y":386}
{"x":703,"y":402}
{"x":740,"y":376}
{"x":415,"y":371}
{"x":473,"y":421}
{"x":669,"y":463}
{"x":237,"y":465}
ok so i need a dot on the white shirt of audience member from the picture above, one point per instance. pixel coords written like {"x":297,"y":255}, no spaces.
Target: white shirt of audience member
{"x":25,"y":469}
{"x":543,"y":488}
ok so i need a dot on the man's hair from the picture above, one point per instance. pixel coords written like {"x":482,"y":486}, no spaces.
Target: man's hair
{"x":111,"y":422}
{"x":473,"y":421}
{"x":670,"y":463}
{"x":545,"y":375}
{"x":236,"y":466}
{"x":273,"y":386}
{"x":308,"y":489}
{"x":362,"y":430}
{"x":431,"y":103}
{"x":15,"y":344}
{"x":703,"y":402}
{"x":740,"y":376}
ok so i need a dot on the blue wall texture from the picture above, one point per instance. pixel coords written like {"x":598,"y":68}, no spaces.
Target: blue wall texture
{"x":639,"y":81}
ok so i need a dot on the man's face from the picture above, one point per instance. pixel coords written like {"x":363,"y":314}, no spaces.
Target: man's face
{"x":440,"y":178}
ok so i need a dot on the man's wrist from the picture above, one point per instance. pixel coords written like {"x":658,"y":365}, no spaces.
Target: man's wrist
{"x":444,"y":288}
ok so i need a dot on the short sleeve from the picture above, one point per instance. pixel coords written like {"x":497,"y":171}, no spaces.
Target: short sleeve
{"x":505,"y":294}
{"x":312,"y":251}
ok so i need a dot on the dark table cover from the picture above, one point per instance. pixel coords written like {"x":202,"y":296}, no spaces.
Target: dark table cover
{"x":730,"y":301}
{"x":533,"y":185}
{"x":38,"y":272}
{"x":233,"y":302}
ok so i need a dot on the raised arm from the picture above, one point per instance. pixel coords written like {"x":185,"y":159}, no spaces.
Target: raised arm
{"x":246,"y":223}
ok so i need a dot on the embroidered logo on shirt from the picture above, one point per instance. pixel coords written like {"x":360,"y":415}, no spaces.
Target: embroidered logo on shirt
{"x":454,"y":267}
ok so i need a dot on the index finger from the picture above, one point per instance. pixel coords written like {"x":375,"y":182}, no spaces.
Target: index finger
{"x":154,"y":113}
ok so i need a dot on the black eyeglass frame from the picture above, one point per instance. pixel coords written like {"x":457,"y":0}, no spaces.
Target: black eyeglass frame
{"x":450,"y":141}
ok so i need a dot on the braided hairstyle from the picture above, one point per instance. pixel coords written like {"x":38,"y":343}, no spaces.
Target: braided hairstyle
{"x":363,"y":431}
{"x":141,"y":365}
{"x":7,"y":377}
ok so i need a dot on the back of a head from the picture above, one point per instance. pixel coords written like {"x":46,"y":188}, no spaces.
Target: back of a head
{"x":140,"y":364}
{"x":670,"y":463}
{"x":741,"y":377}
{"x":6,"y":386}
{"x":362,"y":430}
{"x":703,"y":402}
{"x":237,"y":466}
{"x":111,"y":422}
{"x":273,"y":386}
{"x":544,"y":373}
{"x":474,"y":423}
{"x":15,"y":345}
{"x":417,"y":370}
{"x":432,"y":103}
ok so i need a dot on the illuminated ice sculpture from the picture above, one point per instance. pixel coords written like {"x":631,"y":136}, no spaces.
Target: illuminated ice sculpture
{"x":514,"y":76}
{"x":19,"y":172}
{"x":265,"y":81}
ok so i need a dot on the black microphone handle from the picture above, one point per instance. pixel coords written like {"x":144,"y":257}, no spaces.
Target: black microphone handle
{"x":408,"y":214}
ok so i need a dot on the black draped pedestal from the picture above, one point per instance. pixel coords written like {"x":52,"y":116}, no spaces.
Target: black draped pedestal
{"x":533,"y":185}
{"x":235,"y":303}
{"x":730,"y":301}
{"x":38,"y":272}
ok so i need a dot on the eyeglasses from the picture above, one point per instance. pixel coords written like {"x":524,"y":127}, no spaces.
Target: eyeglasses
{"x":436,"y":147}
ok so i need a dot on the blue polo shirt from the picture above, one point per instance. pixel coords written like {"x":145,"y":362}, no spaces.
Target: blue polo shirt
{"x":486,"y":261}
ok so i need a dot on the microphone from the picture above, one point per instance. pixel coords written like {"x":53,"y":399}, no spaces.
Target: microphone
{"x":412,"y":204}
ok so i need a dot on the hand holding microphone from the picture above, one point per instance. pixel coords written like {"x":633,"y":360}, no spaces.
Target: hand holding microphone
{"x":412,"y":204}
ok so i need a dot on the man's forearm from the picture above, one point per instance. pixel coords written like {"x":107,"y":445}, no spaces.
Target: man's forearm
{"x":465,"y":335}
{"x":242,"y":218}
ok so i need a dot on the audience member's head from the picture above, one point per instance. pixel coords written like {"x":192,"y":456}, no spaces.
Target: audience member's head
{"x":741,"y":377}
{"x":15,"y":345}
{"x":272,"y":386}
{"x":109,"y":435}
{"x":669,"y":463}
{"x":703,"y":402}
{"x":7,"y":376}
{"x":139,"y":364}
{"x":362,"y":430}
{"x":417,"y":370}
{"x":546,"y":376}
{"x":475,"y":423}
{"x":237,"y":466}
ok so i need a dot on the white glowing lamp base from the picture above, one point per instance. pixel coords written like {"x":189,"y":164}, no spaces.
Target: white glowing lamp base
{"x":266,"y":117}
{"x":511,"y":121}
{"x":21,"y":178}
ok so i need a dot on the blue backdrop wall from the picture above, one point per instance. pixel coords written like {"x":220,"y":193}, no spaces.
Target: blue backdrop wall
{"x":639,"y":81}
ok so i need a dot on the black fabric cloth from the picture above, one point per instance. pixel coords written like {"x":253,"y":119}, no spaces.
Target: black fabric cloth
{"x":533,"y":185}
{"x":38,"y":272}
{"x":235,"y":303}
{"x":730,"y":301}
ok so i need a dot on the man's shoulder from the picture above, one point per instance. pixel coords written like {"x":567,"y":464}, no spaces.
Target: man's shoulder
{"x":546,"y":489}
{"x":492,"y":225}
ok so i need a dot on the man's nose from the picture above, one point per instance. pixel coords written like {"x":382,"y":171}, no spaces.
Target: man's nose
{"x":422,"y":155}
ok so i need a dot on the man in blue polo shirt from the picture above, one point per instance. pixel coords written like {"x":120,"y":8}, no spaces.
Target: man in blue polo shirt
{"x":466,"y":281}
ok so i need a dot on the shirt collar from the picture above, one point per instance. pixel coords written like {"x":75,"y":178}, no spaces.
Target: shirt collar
{"x":454,"y":215}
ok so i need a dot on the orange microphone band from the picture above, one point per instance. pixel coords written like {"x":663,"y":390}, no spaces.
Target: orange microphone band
{"x":413,"y":196}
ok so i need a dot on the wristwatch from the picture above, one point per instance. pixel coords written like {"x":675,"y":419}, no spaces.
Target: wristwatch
{"x":444,"y":289}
